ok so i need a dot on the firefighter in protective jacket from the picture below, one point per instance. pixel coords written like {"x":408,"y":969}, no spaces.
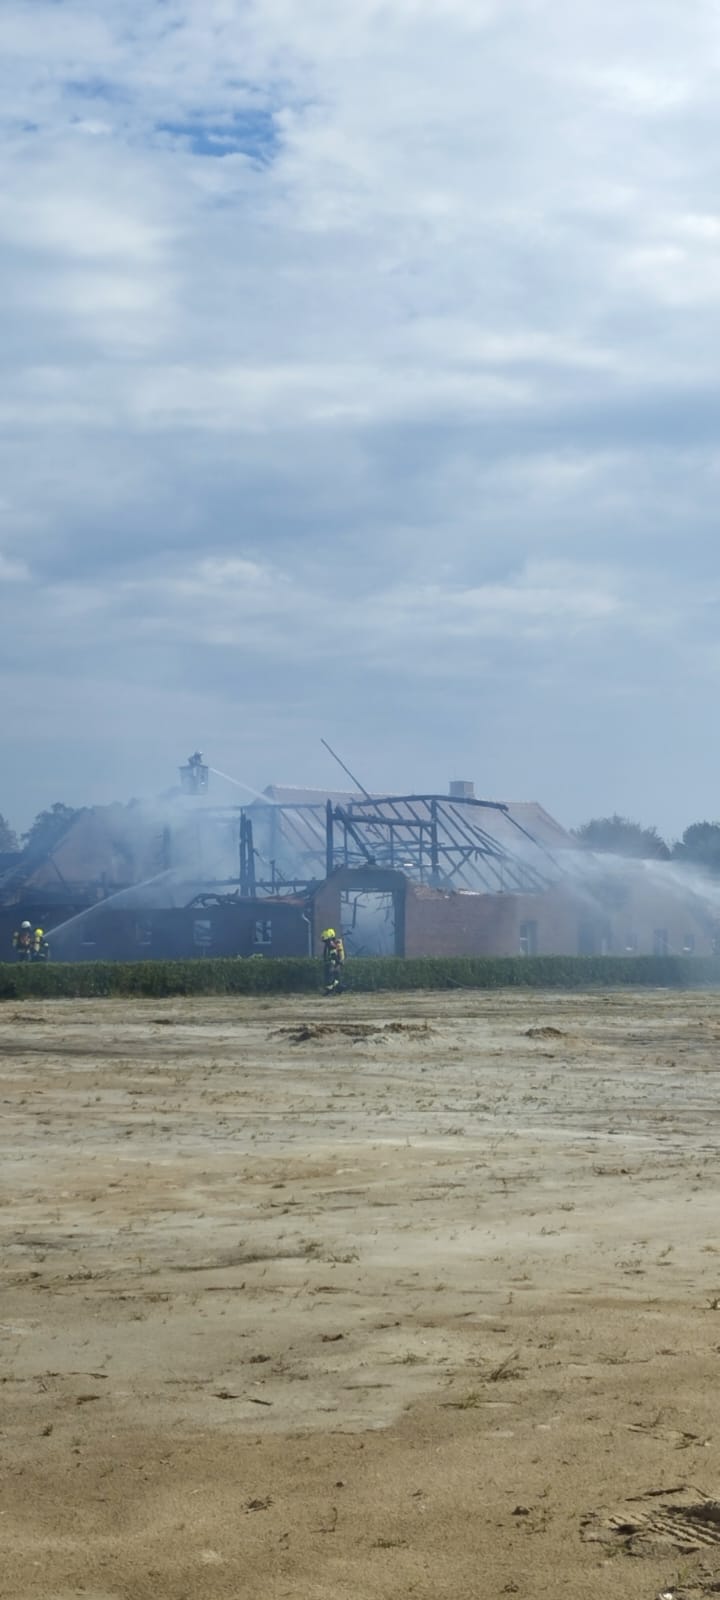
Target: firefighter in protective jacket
{"x":333,"y":961}
{"x":24,"y":942}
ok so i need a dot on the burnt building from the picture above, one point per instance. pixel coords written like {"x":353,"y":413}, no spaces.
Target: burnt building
{"x":404,"y":875}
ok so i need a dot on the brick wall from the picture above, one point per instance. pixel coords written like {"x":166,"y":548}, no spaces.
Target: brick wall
{"x":260,"y":927}
{"x":442,"y":924}
{"x":430,"y":922}
{"x":558,"y":922}
{"x":439,"y":924}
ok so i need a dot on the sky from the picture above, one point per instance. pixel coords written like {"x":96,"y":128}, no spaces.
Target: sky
{"x":360,"y":382}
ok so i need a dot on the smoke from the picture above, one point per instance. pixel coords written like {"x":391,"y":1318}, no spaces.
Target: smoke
{"x":159,"y":855}
{"x":368,"y":924}
{"x":139,"y":857}
{"x":136,"y":896}
{"x":638,"y":901}
{"x":594,"y":875}
{"x":247,"y":787}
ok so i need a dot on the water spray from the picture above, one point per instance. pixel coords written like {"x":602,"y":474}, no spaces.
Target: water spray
{"x":112,"y":899}
{"x":238,"y":785}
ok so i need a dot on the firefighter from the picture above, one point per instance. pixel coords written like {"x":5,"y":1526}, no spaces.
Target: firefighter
{"x":23,"y":941}
{"x":41,"y":948}
{"x":333,"y":961}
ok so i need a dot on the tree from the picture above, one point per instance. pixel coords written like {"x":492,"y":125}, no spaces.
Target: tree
{"x":49,"y":827}
{"x":8,"y":836}
{"x":700,"y":847}
{"x":619,"y":836}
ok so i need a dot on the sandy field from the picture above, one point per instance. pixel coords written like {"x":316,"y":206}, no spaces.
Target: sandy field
{"x":361,"y":1299}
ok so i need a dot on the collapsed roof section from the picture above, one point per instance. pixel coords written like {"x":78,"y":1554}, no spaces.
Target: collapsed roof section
{"x":107,"y":849}
{"x":283,"y":844}
{"x":466,"y":844}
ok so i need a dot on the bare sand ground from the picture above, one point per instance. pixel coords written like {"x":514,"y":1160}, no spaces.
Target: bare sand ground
{"x":395,"y":1296}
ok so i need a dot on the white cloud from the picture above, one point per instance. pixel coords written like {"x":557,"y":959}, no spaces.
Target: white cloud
{"x":72,"y":224}
{"x":640,"y":91}
{"x":542,"y":600}
{"x":420,"y":373}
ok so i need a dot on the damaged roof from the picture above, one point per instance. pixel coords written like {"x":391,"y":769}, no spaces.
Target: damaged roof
{"x":486,"y":846}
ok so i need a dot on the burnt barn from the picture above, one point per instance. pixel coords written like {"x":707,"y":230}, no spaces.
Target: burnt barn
{"x":403,"y":875}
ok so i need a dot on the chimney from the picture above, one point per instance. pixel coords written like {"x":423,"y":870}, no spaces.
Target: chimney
{"x":460,"y":789}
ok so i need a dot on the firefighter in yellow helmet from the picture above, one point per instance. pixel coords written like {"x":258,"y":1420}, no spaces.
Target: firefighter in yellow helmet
{"x":333,"y":961}
{"x":41,"y":949}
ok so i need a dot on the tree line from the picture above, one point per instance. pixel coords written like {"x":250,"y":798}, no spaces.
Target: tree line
{"x":619,"y":836}
{"x":43,"y":834}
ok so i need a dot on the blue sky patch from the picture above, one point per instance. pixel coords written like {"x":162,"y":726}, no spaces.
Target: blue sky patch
{"x":96,"y":88}
{"x":250,"y":133}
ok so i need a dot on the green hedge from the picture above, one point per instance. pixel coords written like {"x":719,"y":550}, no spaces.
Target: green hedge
{"x":89,"y":979}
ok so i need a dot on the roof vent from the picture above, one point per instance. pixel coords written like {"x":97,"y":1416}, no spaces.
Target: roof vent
{"x":460,"y":789}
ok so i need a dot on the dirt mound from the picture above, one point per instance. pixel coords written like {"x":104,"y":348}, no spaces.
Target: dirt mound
{"x":545,"y":1033}
{"x":318,"y":1032}
{"x":356,"y":1032}
{"x":405,"y":1027}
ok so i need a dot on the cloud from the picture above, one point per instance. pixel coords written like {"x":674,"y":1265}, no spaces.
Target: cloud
{"x":355,"y":357}
{"x":12,"y":571}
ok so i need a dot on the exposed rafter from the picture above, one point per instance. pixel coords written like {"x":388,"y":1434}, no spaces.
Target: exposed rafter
{"x":446,"y":843}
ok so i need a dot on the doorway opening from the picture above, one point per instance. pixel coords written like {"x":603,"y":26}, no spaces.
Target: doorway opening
{"x":369,"y":922}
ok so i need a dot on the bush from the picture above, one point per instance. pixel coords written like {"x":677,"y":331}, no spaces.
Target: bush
{"x":535,"y":972}
{"x":93,"y":979}
{"x":85,"y":980}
